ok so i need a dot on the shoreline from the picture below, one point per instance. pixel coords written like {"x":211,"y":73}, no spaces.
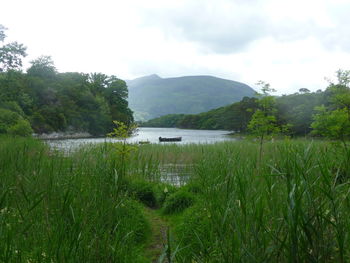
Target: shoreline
{"x":63,"y":136}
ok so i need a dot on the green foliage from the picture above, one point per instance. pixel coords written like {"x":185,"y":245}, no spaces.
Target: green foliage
{"x":122,"y":150}
{"x":194,"y":236}
{"x":234,"y":117}
{"x":332,"y":124}
{"x":56,"y":208}
{"x":178,"y":202}
{"x":143,"y":191}
{"x":263,"y":121}
{"x":11,"y":54}
{"x":166,"y":121}
{"x":296,"y":210}
{"x":66,"y":102}
{"x":42,"y":67}
{"x":13,"y":124}
{"x":333,"y":121}
{"x":298,"y":109}
{"x":261,"y":124}
{"x":123,"y":130}
{"x":21,"y":128}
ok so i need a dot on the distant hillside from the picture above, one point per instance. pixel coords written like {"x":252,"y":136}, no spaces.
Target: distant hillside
{"x":152,"y":96}
{"x":295,"y":109}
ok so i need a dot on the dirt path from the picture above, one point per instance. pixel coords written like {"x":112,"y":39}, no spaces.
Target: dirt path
{"x":158,"y":238}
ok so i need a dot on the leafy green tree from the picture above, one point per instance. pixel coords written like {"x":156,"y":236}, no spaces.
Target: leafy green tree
{"x":98,"y":82}
{"x":333,"y":121}
{"x":11,"y":54}
{"x":2,"y":33}
{"x":20,"y":128}
{"x":304,"y":90}
{"x":297,"y":109}
{"x":42,"y":67}
{"x":122,"y":131}
{"x":14,"y":124}
{"x":333,"y":124}
{"x":263,"y":122}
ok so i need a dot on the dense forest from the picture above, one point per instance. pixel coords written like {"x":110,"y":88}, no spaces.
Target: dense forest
{"x":300,"y":111}
{"x":42,"y":100}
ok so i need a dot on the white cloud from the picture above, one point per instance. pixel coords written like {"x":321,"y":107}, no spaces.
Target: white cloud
{"x":291,"y":44}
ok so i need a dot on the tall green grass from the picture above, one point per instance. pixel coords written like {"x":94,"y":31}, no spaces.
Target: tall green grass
{"x":292,"y":207}
{"x":56,"y":208}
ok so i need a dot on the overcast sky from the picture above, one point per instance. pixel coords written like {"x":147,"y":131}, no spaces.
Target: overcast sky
{"x":290,"y":44}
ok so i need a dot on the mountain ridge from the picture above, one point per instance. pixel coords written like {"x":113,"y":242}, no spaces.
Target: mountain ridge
{"x":152,"y":96}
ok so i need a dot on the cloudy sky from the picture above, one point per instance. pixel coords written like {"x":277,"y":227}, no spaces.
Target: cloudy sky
{"x":288,"y":43}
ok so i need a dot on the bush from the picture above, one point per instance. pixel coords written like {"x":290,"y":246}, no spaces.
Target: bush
{"x":12,"y":123}
{"x":193,"y":187}
{"x":162,"y":191}
{"x":143,"y":191}
{"x":21,"y":128}
{"x":151,"y":194}
{"x":178,"y":201}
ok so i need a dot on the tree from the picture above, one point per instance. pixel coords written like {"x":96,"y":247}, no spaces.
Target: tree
{"x":333,"y":124}
{"x":11,"y":54}
{"x":122,"y":131}
{"x":2,"y":33}
{"x":263,"y":121}
{"x":98,"y":82}
{"x":42,"y":67}
{"x":333,"y":121}
{"x":304,"y":90}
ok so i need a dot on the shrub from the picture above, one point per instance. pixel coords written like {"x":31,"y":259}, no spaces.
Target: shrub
{"x":13,"y":123}
{"x":162,"y":191}
{"x":143,"y":191}
{"x":178,"y":201}
{"x":21,"y":128}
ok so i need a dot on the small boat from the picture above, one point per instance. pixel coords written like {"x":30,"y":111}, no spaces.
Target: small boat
{"x":144,"y":142}
{"x":174,"y":139}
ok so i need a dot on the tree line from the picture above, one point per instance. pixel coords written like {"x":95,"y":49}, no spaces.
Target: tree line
{"x":321,"y":113}
{"x":42,"y":100}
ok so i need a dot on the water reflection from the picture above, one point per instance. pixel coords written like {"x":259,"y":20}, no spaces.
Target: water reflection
{"x":175,"y":174}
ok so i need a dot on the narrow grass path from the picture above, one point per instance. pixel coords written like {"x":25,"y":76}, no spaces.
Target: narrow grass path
{"x":158,"y":238}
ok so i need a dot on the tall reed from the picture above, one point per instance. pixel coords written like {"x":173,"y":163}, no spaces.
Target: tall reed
{"x":56,"y":208}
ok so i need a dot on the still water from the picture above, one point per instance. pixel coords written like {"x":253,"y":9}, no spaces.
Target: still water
{"x":173,"y":173}
{"x":151,"y":135}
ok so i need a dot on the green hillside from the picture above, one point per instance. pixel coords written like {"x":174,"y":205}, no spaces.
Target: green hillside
{"x":296,"y":109}
{"x":152,"y":96}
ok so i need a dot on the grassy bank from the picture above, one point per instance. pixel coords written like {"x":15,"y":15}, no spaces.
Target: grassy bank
{"x":293,"y":206}
{"x":64,"y":209}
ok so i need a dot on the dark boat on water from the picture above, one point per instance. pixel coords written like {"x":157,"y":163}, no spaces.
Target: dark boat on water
{"x":174,"y":139}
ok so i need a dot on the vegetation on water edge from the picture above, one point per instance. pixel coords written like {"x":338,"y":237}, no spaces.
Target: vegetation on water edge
{"x":293,"y":207}
{"x":43,"y":100}
{"x":325,"y":114}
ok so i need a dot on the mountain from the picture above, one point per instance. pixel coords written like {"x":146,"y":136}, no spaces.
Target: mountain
{"x":153,"y":96}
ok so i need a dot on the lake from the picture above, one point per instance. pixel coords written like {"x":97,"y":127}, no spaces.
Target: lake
{"x":151,"y":135}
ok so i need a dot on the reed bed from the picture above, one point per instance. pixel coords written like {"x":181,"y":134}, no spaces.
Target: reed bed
{"x":55,"y":208}
{"x":293,"y":206}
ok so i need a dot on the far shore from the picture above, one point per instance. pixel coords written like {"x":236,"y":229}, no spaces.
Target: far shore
{"x":64,"y":135}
